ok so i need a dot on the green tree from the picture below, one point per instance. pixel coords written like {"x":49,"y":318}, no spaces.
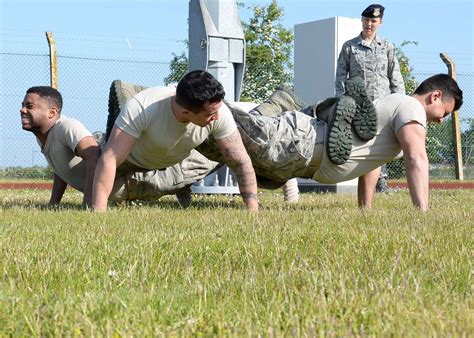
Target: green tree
{"x":268,"y":53}
{"x":439,"y":142}
{"x":179,"y":66}
{"x":405,"y":68}
{"x":467,"y":141}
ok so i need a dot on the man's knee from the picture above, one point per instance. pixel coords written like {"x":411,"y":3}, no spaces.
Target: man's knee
{"x":282,"y":99}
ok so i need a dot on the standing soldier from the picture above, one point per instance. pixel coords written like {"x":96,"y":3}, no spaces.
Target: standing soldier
{"x":372,"y":58}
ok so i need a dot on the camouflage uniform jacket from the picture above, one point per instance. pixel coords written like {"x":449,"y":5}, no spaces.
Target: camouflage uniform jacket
{"x":375,"y":63}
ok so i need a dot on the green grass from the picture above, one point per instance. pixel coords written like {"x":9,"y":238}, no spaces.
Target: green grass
{"x":320,"y":267}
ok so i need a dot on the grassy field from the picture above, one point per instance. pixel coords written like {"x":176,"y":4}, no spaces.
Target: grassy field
{"x":320,"y":267}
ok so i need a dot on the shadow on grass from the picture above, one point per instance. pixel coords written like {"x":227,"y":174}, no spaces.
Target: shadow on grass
{"x":196,"y":204}
{"x":309,"y":203}
{"x":161,"y":204}
{"x":41,"y":206}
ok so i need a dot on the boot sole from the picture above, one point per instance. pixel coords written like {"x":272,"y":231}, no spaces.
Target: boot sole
{"x":339,"y":144}
{"x":365,"y":120}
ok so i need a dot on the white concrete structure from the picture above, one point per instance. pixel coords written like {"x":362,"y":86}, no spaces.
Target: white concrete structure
{"x":317,"y":46}
{"x":217,"y":44}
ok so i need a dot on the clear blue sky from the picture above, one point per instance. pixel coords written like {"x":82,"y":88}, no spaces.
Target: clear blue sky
{"x":155,"y":29}
{"x":160,"y":24}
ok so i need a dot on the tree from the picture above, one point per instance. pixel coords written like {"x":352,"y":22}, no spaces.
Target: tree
{"x":405,"y":68}
{"x":439,"y":142}
{"x":467,"y":141}
{"x":179,"y":66}
{"x":268,"y":53}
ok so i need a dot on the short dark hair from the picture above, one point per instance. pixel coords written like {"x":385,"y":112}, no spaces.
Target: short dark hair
{"x":446,"y":84}
{"x":49,"y":93}
{"x":197,"y":88}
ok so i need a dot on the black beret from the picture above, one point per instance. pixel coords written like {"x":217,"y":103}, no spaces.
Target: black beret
{"x":373,"y":11}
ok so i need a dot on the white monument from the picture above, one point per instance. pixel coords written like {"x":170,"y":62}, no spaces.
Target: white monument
{"x":317,"y":46}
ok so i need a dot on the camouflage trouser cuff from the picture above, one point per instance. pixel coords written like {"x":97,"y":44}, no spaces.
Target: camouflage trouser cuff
{"x":315,"y":162}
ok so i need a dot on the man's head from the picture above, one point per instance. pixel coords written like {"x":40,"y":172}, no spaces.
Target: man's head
{"x":41,"y":107}
{"x":201,"y":95}
{"x":196,"y":89}
{"x":371,"y":19}
{"x":441,"y":95}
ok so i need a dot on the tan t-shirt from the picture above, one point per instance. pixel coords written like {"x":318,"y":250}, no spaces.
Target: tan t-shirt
{"x":60,"y":152}
{"x":393,"y":112}
{"x":60,"y":148}
{"x":162,"y":140}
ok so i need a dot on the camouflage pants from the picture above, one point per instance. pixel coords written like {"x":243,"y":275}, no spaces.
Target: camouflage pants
{"x":282,"y":147}
{"x":132,"y":184}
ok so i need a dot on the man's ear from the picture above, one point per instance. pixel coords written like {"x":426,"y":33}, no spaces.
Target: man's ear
{"x":53,"y":111}
{"x":436,"y":95}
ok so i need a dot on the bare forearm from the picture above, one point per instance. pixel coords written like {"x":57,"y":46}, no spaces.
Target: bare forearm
{"x":118,"y":147}
{"x":417,"y":179}
{"x":103,"y":182}
{"x":247,"y":184}
{"x":57,"y":191}
{"x":366,"y":188}
{"x":239,"y":161}
{"x":90,"y":168}
{"x":412,"y":138}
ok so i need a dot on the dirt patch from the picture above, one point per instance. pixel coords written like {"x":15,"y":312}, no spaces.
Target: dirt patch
{"x":26,"y":185}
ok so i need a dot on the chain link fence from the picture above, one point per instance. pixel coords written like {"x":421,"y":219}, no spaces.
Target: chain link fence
{"x":440,"y":142}
{"x":84,"y":83}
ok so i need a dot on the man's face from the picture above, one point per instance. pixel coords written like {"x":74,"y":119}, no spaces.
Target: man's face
{"x":370,"y":25}
{"x":439,"y":110}
{"x":208,"y":113}
{"x":35,"y":111}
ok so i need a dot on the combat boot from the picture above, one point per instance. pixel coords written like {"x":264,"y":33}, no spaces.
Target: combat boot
{"x":120,"y":92}
{"x":365,"y":120}
{"x":339,"y":141}
{"x":323,"y":109}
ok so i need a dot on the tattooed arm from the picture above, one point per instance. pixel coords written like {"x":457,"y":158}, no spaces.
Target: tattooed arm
{"x":239,"y":161}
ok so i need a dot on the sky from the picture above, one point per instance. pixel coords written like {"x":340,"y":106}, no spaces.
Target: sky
{"x":162,"y":24}
{"x":156,"y":29}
